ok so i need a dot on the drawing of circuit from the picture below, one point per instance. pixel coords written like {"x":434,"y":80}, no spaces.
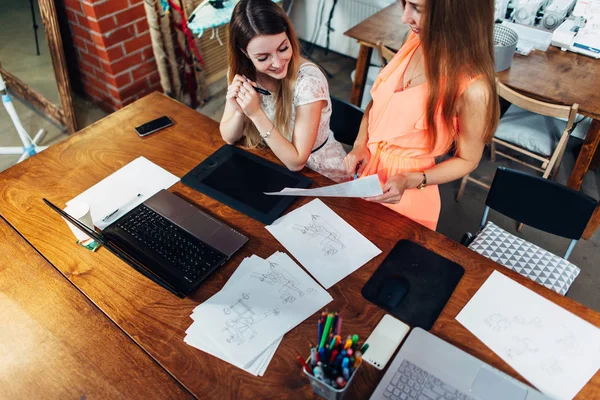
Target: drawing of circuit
{"x":241,"y":326}
{"x":277,"y":276}
{"x":320,"y":228}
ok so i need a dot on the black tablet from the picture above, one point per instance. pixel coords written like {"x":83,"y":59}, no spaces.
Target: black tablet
{"x":413,"y":284}
{"x":238,"y":179}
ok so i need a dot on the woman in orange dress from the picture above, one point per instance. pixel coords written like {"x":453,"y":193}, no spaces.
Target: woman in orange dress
{"x":438,"y":93}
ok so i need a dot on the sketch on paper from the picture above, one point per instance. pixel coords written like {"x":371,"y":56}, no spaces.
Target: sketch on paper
{"x":288,"y":286}
{"x":568,"y":340}
{"x":521,"y":346}
{"x":499,"y":322}
{"x":243,"y":320}
{"x":321,"y":229}
{"x":552,"y":366}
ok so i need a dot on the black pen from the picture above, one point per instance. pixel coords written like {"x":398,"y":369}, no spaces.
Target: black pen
{"x":259,"y":90}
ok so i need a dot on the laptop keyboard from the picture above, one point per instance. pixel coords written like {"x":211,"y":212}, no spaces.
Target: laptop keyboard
{"x":413,"y":383}
{"x":187,"y":253}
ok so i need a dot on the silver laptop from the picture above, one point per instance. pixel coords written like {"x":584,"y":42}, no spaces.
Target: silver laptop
{"x":428,"y":368}
{"x":169,"y":240}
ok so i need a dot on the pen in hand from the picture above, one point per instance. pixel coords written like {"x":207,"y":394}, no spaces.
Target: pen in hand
{"x":111,"y":214}
{"x":356,"y":170}
{"x":259,"y":90}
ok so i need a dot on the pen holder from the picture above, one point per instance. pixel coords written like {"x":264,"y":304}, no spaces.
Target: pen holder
{"x":322,"y":389}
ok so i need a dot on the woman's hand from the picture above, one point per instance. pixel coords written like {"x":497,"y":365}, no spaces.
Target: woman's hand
{"x":248,"y":99}
{"x":233,"y":91}
{"x":392,"y":190}
{"x":356,"y":161}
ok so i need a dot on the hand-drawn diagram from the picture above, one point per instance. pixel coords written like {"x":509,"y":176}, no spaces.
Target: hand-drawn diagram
{"x":551,"y":366}
{"x":320,"y":228}
{"x":521,"y":346}
{"x":288,"y":289}
{"x":568,"y":340}
{"x":243,"y":320}
{"x":499,"y":322}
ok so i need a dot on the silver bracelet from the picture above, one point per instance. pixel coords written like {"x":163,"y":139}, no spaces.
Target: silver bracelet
{"x":267,"y":133}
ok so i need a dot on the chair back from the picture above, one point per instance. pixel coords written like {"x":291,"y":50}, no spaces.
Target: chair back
{"x":385,"y":53}
{"x":540,"y":203}
{"x":345,"y":121}
{"x":536,"y":106}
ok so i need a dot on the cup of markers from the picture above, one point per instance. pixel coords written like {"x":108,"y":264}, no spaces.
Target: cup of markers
{"x":334,"y":360}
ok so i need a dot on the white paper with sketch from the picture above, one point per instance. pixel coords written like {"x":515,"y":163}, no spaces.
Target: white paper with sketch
{"x":246,"y":317}
{"x":196,"y":337}
{"x":555,"y":350}
{"x":120,"y":190}
{"x":326,"y":245}
{"x":363,"y":187}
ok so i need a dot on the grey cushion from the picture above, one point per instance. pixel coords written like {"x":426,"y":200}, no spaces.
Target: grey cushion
{"x":531,"y":131}
{"x":526,"y":258}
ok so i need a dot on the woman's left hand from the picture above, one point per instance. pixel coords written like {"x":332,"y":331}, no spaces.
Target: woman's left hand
{"x":393,"y":190}
{"x":248,"y":99}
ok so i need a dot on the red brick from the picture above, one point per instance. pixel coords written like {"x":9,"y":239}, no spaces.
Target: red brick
{"x":81,"y":32}
{"x":86,"y":68}
{"x":130,"y":15}
{"x":134,"y":2}
{"x":134,"y":89}
{"x":141,"y":26}
{"x":153,"y":78}
{"x":123,"y":79}
{"x":80,"y":44}
{"x":72,"y":16}
{"x":108,"y":7}
{"x":143,"y":70}
{"x":90,"y":59}
{"x":105,"y":77}
{"x":118,"y":35}
{"x":74,"y":5}
{"x":112,"y":54}
{"x":126,"y":63}
{"x":148,"y":53}
{"x":137,"y":43}
{"x":97,"y":83}
{"x":101,"y":26}
{"x":89,"y":10}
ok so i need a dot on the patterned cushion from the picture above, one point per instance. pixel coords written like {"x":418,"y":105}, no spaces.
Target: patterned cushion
{"x":526,"y":258}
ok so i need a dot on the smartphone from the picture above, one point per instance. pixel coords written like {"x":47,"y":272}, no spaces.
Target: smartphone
{"x":153,"y":126}
{"x":384,"y":341}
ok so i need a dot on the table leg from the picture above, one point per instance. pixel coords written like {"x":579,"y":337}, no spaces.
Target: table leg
{"x":585,"y":155}
{"x":360,"y":76}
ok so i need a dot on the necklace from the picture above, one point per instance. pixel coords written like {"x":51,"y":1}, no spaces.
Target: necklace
{"x":413,"y":76}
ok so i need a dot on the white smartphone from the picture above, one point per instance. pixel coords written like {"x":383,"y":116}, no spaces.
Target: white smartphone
{"x":384,"y":341}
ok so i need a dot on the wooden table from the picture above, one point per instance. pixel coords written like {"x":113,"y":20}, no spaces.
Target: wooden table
{"x":157,"y":320}
{"x":56,"y":344}
{"x":553,"y":76}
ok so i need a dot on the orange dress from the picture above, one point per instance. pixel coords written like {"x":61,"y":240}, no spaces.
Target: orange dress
{"x":397,"y":136}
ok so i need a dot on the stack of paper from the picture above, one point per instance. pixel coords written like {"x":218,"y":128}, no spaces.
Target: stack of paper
{"x":244,"y":323}
{"x":556,"y":351}
{"x":326,"y":245}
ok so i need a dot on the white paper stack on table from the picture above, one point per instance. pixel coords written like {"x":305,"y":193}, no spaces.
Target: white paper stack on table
{"x":245,"y":321}
{"x":555,"y":350}
{"x":326,"y":245}
{"x":124,"y":190}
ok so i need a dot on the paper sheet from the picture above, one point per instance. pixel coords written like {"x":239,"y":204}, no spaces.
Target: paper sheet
{"x":120,"y":190}
{"x":196,"y":337}
{"x":556,"y":351}
{"x":363,"y":187}
{"x":250,"y":314}
{"x":326,"y":245}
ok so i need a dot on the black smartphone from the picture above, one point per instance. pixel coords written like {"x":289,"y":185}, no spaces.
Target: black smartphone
{"x":153,"y":126}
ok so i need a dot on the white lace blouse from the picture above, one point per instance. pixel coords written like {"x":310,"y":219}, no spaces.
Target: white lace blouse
{"x":311,"y":86}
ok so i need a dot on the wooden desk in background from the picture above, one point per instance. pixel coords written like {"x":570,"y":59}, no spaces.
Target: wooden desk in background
{"x":156,"y":320}
{"x":553,"y":76}
{"x":56,"y":344}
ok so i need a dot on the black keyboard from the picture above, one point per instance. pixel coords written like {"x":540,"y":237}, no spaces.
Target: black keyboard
{"x":193,"y":258}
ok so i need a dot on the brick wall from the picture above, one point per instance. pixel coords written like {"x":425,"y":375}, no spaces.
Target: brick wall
{"x":114,"y":50}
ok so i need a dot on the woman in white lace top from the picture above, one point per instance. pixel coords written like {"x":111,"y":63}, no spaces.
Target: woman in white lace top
{"x":294,"y":119}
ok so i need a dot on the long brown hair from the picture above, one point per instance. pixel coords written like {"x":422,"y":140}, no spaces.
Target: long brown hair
{"x":458,"y":44}
{"x":252,"y":18}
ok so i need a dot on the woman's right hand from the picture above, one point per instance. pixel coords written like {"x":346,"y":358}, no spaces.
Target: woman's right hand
{"x":356,"y":161}
{"x":233,"y":91}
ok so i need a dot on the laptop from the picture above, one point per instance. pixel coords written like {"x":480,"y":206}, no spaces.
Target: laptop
{"x":428,"y":368}
{"x":169,"y":240}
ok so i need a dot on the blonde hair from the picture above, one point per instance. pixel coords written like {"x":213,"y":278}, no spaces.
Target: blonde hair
{"x":253,"y":18}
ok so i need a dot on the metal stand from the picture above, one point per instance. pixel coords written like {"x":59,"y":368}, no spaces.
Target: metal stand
{"x":35,"y":28}
{"x":30,"y":146}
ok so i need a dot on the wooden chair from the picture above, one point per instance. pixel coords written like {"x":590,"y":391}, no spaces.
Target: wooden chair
{"x":543,"y":204}
{"x":385,"y":53}
{"x":526,"y":118}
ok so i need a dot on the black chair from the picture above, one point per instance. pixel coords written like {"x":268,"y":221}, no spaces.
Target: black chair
{"x":345,"y":121}
{"x":542,"y":204}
